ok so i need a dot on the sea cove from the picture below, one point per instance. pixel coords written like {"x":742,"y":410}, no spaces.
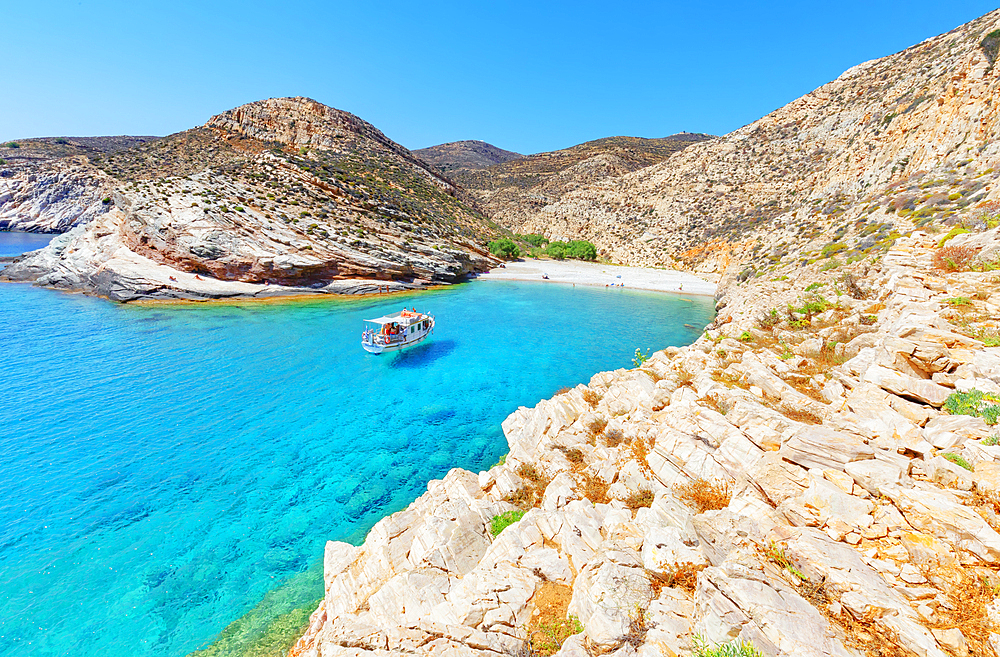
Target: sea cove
{"x":164,"y":467}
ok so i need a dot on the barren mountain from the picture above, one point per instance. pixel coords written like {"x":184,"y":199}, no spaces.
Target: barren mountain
{"x":514,"y":192}
{"x":905,"y":141}
{"x":282,"y":192}
{"x":461,"y":155}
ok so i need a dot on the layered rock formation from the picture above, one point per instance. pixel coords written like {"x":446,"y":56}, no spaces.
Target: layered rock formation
{"x":818,"y":475}
{"x":275,"y":197}
{"x":892,"y":144}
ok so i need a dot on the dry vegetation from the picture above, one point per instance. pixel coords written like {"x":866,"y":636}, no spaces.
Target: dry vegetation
{"x":703,"y":495}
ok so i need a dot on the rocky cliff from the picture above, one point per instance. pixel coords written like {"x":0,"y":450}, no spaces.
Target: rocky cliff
{"x":274,"y":197}
{"x":819,"y":475}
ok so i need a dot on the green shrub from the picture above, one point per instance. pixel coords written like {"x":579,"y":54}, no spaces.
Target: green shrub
{"x":639,"y":357}
{"x":991,"y":441}
{"x":577,"y":249}
{"x":975,"y":403}
{"x":534,"y":239}
{"x":959,"y":301}
{"x":504,"y":248}
{"x":12,"y":144}
{"x":503,"y":521}
{"x":957,"y":460}
{"x":814,"y":286}
{"x":746,"y":336}
{"x":106,"y":200}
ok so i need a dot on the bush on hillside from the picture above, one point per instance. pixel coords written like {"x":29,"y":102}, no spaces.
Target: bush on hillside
{"x":534,"y":239}
{"x":577,"y":249}
{"x":504,"y":248}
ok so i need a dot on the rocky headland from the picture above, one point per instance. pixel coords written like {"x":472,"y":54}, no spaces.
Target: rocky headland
{"x":282,"y":196}
{"x":819,"y":475}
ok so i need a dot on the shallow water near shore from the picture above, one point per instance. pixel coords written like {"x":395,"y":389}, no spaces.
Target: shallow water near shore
{"x":166,"y":469}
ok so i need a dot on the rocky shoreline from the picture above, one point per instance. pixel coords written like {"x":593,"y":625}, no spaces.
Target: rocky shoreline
{"x":793,"y":479}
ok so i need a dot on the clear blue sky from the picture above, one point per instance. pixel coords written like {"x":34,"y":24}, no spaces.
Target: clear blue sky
{"x":525,"y":76}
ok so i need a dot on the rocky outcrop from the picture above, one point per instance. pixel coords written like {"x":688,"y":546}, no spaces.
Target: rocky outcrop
{"x":284,"y":196}
{"x":751,"y":487}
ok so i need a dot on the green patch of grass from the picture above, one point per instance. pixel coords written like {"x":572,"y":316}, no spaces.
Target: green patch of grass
{"x":746,"y":337}
{"x":958,"y":460}
{"x":975,"y":403}
{"x":957,"y":230}
{"x":503,"y":521}
{"x":814,"y":286}
{"x":991,"y":441}
{"x":959,"y":301}
{"x":732,"y":649}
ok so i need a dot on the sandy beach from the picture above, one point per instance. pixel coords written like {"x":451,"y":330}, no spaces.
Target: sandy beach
{"x":600,"y":275}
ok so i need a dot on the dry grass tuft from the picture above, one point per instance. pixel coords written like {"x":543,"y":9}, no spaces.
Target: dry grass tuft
{"x":591,"y":397}
{"x":530,"y":494}
{"x":967,"y":600}
{"x":640,"y":499}
{"x":597,"y":426}
{"x":703,"y":495}
{"x":595,"y":489}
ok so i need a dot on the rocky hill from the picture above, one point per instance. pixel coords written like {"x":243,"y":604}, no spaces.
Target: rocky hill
{"x":818,"y":476}
{"x":277,"y":196}
{"x":464,"y":155}
{"x":515,"y":192}
{"x":898,"y":143}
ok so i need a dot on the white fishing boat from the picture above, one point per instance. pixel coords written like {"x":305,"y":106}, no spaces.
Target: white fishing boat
{"x":395,"y":332}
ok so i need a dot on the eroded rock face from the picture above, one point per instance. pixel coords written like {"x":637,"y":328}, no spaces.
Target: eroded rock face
{"x":276,"y":197}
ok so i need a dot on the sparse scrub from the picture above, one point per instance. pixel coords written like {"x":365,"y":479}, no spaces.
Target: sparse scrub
{"x":975,"y":403}
{"x":954,"y":258}
{"x":703,"y":495}
{"x":613,"y":437}
{"x":680,"y":575}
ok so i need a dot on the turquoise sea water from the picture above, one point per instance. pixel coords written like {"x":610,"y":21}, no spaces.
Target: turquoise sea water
{"x":163,"y":467}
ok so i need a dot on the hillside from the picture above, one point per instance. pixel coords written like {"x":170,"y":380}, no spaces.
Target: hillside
{"x":893,"y":144}
{"x":282,"y":195}
{"x":513,"y":193}
{"x":462,"y":155}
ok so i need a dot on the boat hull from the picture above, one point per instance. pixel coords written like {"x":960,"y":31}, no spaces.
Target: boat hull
{"x":382,"y":349}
